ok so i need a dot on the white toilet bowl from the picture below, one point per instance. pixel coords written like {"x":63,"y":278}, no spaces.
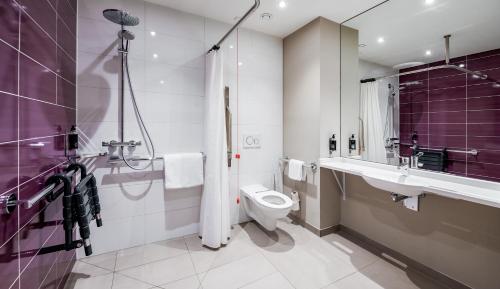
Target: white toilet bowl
{"x":265,"y":206}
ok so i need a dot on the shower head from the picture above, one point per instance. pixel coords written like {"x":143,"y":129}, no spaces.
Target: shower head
{"x":125,"y":34}
{"x":120,"y":17}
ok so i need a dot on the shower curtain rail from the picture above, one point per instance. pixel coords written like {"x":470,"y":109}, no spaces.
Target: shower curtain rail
{"x":447,"y":64}
{"x":243,"y":18}
{"x":444,"y":66}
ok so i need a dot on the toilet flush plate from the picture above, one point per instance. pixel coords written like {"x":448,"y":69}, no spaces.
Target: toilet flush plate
{"x":251,"y":141}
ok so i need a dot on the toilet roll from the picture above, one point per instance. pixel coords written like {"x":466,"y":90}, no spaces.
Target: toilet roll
{"x":295,"y":200}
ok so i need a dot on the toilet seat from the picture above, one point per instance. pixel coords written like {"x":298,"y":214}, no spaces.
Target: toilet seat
{"x":265,"y":206}
{"x":273,"y":200}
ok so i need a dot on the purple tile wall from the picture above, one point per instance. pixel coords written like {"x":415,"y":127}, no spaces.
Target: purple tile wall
{"x":449,"y":109}
{"x":38,"y":96}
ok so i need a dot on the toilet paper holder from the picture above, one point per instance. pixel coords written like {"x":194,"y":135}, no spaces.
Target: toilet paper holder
{"x":8,"y":204}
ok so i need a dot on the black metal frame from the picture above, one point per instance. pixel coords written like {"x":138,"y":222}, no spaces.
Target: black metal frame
{"x":80,"y":206}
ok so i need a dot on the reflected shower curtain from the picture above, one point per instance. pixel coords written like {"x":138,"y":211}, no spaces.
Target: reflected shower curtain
{"x":215,"y":227}
{"x":373,"y":131}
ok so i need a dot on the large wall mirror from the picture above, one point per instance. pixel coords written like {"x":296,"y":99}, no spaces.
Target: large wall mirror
{"x":422,"y":78}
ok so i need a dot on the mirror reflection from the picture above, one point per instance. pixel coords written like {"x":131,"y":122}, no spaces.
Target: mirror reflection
{"x":421,"y":85}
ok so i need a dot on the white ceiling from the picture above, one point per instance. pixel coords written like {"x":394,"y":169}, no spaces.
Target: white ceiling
{"x":283,"y":22}
{"x":410,"y":27}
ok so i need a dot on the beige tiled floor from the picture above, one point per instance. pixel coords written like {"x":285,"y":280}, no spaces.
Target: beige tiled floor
{"x":290,"y":257}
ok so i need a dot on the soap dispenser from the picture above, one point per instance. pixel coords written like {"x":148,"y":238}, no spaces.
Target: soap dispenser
{"x":352,"y":144}
{"x":332,"y":145}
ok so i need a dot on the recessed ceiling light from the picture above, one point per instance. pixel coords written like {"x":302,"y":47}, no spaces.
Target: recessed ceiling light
{"x":155,"y":55}
{"x":461,"y":65}
{"x":381,"y":40}
{"x":282,"y":4}
{"x":162,"y":82}
{"x":429,"y":2}
{"x":428,"y":52}
{"x":231,"y":46}
{"x":266,"y":16}
{"x":240,"y":63}
{"x":153,"y":33}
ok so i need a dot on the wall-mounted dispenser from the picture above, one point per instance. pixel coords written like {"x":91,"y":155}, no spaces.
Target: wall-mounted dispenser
{"x":72,"y":139}
{"x":352,"y":144}
{"x":332,"y":145}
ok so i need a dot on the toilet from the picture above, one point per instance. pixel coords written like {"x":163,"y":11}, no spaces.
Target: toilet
{"x":265,"y":206}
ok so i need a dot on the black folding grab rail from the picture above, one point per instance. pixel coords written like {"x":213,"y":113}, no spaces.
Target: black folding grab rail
{"x":80,"y":206}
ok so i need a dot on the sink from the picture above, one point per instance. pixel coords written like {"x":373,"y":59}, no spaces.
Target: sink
{"x":388,"y":178}
{"x":395,"y":182}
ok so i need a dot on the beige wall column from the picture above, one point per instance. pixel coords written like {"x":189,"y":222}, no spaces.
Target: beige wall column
{"x":312,"y":113}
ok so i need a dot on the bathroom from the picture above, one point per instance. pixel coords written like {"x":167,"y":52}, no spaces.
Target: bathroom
{"x":249,"y":144}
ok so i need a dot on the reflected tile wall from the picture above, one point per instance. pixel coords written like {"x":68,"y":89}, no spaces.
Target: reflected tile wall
{"x":449,"y":109}
{"x":38,"y":96}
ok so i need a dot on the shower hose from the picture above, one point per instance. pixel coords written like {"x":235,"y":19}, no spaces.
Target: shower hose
{"x":141,"y":121}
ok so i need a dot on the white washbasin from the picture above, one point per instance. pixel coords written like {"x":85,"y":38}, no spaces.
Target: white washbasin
{"x":395,"y":182}
{"x":388,"y":178}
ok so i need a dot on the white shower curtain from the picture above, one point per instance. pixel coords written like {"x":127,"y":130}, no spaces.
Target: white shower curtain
{"x":215,"y":227}
{"x":373,"y":131}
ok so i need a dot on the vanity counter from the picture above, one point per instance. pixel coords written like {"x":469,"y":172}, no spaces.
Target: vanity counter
{"x":447,"y":185}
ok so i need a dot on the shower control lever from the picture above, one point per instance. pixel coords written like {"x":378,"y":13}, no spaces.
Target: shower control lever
{"x":121,"y":144}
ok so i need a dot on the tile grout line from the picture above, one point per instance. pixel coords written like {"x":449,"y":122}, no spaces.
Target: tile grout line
{"x":49,"y":271}
{"x":32,"y":258}
{"x":259,"y":279}
{"x":466,"y":123}
{"x":34,"y":60}
{"x":192,"y":263}
{"x":276,"y":268}
{"x":46,"y":33}
{"x":18,"y":147}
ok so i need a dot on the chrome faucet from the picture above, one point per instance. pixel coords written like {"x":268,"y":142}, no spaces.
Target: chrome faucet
{"x":415,"y":164}
{"x":404,"y":165}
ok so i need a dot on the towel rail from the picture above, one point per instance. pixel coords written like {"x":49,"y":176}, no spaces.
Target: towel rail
{"x":157,"y":158}
{"x":313,"y":166}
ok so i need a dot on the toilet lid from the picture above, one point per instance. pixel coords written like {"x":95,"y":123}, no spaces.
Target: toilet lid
{"x":273,"y":199}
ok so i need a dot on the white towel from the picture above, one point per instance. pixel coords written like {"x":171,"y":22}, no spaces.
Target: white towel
{"x":295,"y":170}
{"x":183,"y":170}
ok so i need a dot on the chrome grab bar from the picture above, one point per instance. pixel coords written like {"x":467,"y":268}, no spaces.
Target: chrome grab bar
{"x":473,"y":152}
{"x":135,"y":159}
{"x":313,"y":166}
{"x":28,"y":204}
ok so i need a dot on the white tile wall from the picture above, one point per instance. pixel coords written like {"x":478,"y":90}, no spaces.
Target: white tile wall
{"x":170,"y":94}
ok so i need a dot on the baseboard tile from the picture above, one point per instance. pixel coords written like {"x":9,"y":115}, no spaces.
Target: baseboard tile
{"x":311,"y":228}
